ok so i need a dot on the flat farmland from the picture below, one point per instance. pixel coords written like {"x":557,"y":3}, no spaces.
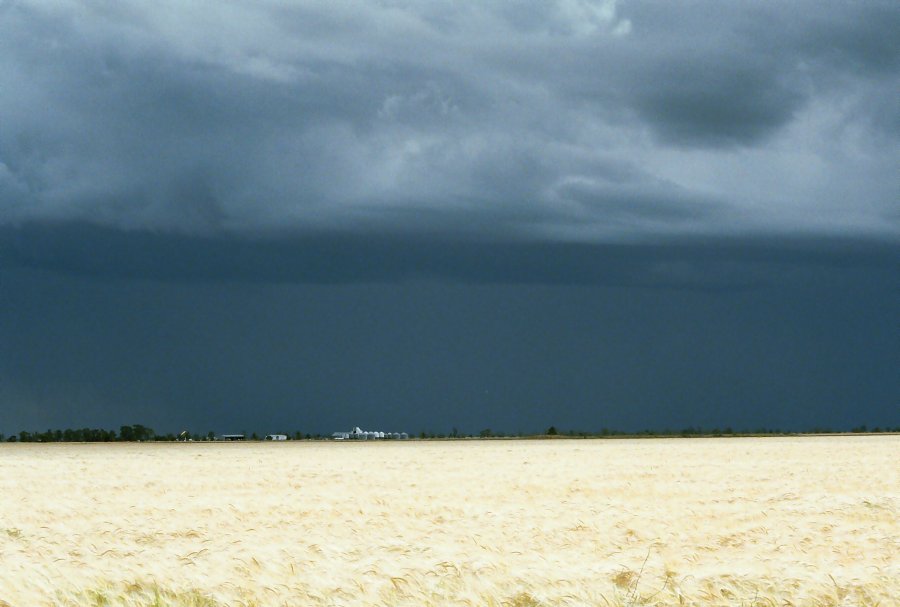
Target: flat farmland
{"x":731,"y":521}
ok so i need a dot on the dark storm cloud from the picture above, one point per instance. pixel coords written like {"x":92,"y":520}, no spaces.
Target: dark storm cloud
{"x":731,"y":74}
{"x":326,"y":258}
{"x":706,"y":102}
{"x":272,"y":216}
{"x":431,"y":355}
{"x":499,"y":118}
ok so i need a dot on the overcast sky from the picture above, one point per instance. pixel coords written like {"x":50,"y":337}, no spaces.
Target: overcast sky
{"x":299,"y":215}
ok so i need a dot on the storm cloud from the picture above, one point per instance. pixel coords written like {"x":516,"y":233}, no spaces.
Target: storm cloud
{"x":312,"y":214}
{"x":572,"y":120}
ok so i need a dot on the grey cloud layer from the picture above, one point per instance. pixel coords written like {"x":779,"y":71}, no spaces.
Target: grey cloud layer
{"x":571,"y":120}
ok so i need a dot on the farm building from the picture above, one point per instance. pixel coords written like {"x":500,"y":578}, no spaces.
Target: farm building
{"x":276,"y":436}
{"x":359,"y":434}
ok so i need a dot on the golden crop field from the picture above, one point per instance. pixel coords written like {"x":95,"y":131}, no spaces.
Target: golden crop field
{"x":731,"y":521}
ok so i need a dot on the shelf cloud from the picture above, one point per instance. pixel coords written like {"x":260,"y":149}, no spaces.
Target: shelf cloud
{"x":566,"y":121}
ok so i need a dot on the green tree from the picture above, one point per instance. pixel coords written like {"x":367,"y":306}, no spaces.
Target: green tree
{"x":143,"y":433}
{"x":552,"y":431}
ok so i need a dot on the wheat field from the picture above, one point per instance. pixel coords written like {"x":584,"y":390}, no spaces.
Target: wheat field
{"x":730,"y":521}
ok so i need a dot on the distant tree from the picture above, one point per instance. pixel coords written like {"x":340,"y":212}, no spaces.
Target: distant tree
{"x":136,"y":432}
{"x":12,"y":438}
{"x":486,"y":433}
{"x":552,"y":431}
{"x":210,"y":435}
{"x":143,"y":433}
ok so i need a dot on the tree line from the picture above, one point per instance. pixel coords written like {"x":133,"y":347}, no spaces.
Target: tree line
{"x":685,"y":432}
{"x":141,"y":433}
{"x":132,"y":433}
{"x":136,"y":432}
